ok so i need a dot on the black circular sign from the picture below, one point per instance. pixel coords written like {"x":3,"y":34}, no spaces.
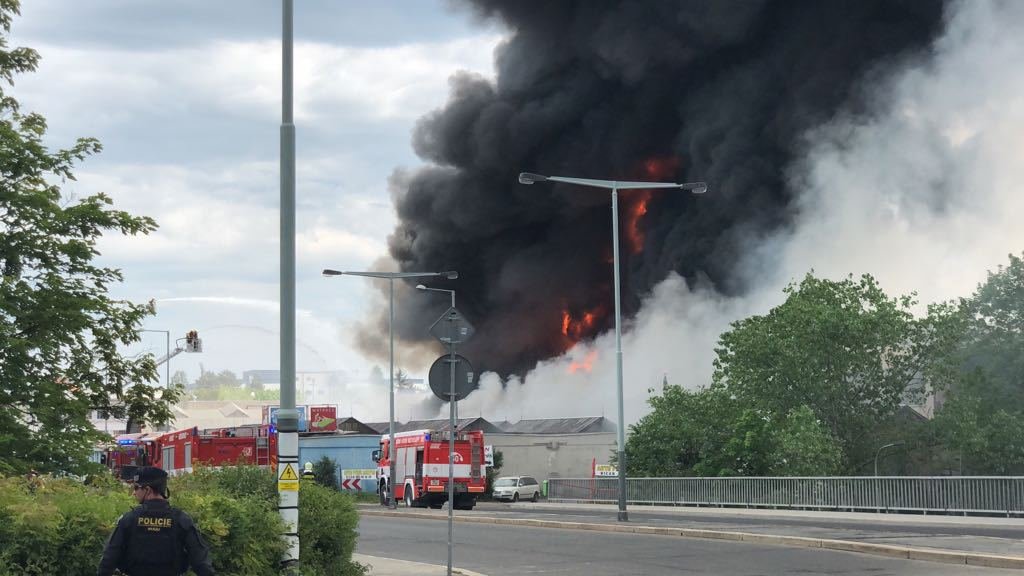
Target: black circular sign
{"x":440,"y":377}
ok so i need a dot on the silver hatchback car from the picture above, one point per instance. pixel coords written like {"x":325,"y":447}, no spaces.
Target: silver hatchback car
{"x":516,"y":488}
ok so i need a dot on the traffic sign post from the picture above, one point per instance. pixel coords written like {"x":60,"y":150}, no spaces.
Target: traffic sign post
{"x":452,"y":328}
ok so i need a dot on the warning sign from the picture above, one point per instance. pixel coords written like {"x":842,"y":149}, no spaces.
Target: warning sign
{"x":288,"y":481}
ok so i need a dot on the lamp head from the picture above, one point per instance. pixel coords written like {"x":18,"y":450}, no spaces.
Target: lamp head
{"x":530,"y":178}
{"x":695,"y":187}
{"x":450,"y":274}
{"x":329,"y":272}
{"x":421,"y":287}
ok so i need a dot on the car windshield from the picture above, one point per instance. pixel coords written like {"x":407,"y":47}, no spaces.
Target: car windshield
{"x":504,"y":482}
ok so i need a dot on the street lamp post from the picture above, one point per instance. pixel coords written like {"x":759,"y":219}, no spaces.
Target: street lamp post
{"x":390,"y":276}
{"x":451,"y":431}
{"x":877,"y":453}
{"x":615,"y":186}
{"x":167,"y":356}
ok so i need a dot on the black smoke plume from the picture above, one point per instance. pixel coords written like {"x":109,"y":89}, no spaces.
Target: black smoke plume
{"x":713,"y":90}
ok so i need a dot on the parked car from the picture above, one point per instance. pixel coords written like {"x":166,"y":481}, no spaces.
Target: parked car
{"x":516,"y":488}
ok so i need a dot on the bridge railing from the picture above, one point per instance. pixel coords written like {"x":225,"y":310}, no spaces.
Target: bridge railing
{"x":927,"y":494}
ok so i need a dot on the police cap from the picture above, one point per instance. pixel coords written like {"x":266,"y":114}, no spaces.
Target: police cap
{"x":150,"y":476}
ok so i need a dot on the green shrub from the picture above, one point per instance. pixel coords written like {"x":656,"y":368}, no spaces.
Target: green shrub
{"x":59,"y":526}
{"x":327,"y":532}
{"x":55,"y":526}
{"x":325,"y":472}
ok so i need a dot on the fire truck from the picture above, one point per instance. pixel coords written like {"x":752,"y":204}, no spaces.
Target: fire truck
{"x":421,"y":468}
{"x":176,"y":451}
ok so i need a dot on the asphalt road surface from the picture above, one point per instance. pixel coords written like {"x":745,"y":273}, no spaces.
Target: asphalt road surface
{"x":514,"y":550}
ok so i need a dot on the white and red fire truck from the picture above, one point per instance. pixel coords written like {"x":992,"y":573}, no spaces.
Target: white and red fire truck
{"x":176,"y":451}
{"x":421,"y":468}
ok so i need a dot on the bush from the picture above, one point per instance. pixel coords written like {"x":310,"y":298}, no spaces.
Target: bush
{"x":60,"y":526}
{"x":56,"y":526}
{"x":325,"y":472}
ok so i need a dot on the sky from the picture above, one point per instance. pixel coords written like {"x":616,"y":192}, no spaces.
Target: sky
{"x":186,"y":100}
{"x":924,"y":191}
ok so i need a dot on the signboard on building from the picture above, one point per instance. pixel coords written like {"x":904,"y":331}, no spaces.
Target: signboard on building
{"x":323,"y":419}
{"x":271,"y":417}
{"x":352,"y":478}
{"x":605,"y":471}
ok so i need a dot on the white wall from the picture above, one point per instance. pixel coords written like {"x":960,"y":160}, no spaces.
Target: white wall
{"x":552,"y":455}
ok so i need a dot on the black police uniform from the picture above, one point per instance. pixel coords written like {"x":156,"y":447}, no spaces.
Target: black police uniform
{"x":155,"y":539}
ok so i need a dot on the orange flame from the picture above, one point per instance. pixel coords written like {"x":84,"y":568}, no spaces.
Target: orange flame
{"x":661,"y":167}
{"x":576,"y":329}
{"x":587,"y":364}
{"x":634,"y":212}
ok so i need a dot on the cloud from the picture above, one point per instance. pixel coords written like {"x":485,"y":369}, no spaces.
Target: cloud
{"x":242,"y":79}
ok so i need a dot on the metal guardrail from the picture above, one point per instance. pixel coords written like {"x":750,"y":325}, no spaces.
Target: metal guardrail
{"x":926,"y":494}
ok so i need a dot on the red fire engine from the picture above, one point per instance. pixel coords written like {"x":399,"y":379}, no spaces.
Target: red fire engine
{"x":421,"y":468}
{"x":177,"y":451}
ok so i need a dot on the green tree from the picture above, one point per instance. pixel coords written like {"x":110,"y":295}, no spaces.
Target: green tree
{"x":211,"y":385}
{"x":59,"y":329}
{"x":180,"y":378}
{"x":802,"y":446}
{"x":844,"y":349}
{"x":494,"y":472}
{"x":996,"y":335}
{"x":683,"y":435}
{"x":325,"y":472}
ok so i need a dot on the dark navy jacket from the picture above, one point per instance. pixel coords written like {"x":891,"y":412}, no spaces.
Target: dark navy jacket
{"x":155,"y":540}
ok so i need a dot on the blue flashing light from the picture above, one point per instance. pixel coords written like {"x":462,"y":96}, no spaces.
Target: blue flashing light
{"x":128,"y":442}
{"x":426,"y":437}
{"x":273,"y":430}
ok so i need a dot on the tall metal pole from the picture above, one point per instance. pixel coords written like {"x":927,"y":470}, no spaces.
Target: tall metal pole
{"x":623,"y":516}
{"x":451,"y":440}
{"x":167,"y":367}
{"x":391,"y":397}
{"x":288,"y":416}
{"x":167,"y":355}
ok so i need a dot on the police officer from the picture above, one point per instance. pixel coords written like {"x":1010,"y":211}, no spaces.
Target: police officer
{"x":154,"y":539}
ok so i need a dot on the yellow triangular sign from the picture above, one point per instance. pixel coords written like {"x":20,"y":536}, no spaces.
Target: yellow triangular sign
{"x":288,"y":473}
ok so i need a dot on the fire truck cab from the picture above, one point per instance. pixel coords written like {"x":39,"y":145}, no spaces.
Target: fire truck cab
{"x":421,"y":468}
{"x":129,"y":452}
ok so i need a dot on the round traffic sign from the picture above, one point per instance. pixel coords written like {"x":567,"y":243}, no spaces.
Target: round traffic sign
{"x":440,"y":377}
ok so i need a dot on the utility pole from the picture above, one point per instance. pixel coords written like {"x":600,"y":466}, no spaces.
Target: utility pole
{"x":288,"y":416}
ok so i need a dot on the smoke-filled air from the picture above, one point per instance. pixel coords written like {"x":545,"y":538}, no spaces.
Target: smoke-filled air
{"x":882,"y":137}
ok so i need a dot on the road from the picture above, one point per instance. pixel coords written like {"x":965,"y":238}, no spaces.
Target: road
{"x":512,"y":550}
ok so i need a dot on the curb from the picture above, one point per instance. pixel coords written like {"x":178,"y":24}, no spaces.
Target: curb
{"x":904,"y":552}
{"x":455,"y":570}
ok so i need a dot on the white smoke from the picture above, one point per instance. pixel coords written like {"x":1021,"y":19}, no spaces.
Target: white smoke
{"x":926,"y":194}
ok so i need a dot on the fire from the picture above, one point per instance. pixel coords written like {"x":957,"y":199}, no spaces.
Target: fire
{"x":578,"y":328}
{"x":587,"y":364}
{"x":634,"y":212}
{"x":661,"y":167}
{"x":655,"y":168}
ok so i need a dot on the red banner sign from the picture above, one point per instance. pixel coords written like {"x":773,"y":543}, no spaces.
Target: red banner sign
{"x":323,"y":419}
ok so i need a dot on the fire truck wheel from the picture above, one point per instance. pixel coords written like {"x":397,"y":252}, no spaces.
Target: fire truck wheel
{"x":408,"y":497}
{"x":383,"y":495}
{"x":515,"y":497}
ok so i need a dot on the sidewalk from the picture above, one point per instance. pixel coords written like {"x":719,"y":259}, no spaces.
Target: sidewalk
{"x":993,"y":542}
{"x":392,"y":567}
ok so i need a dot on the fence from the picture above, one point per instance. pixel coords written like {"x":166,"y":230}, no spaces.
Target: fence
{"x":927,"y":494}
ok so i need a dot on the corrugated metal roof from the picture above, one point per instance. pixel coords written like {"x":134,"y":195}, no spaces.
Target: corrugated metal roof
{"x":534,"y":426}
{"x":561,"y":426}
{"x":440,"y":425}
